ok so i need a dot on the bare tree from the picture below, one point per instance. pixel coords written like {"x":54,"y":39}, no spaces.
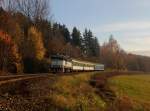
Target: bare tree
{"x":1,"y":2}
{"x":8,"y":5}
{"x":34,"y":9}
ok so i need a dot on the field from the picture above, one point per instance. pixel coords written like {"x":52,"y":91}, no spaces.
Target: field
{"x":50,"y":93}
{"x":134,"y":88}
{"x":105,"y":91}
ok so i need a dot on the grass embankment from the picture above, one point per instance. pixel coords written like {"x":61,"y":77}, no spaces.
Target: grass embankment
{"x":52,"y":93}
{"x":83,"y":92}
{"x":74,"y":93}
{"x":135,"y":89}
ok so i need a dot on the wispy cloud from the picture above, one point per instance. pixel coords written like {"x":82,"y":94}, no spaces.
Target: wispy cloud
{"x":141,"y":52}
{"x":143,"y":3}
{"x":132,"y":35}
{"x":125,"y":26}
{"x":135,"y":43}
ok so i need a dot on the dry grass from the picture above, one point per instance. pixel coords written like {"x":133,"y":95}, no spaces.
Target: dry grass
{"x":54,"y":93}
{"x":74,"y":94}
{"x":82,"y":92}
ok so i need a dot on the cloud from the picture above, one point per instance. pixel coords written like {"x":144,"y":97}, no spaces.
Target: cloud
{"x":141,"y":52}
{"x":143,"y":3}
{"x":142,"y":33}
{"x":124,"y":26}
{"x":133,"y":36}
{"x":135,"y":43}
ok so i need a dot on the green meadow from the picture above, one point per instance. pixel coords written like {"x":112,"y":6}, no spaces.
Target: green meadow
{"x":134,"y":87}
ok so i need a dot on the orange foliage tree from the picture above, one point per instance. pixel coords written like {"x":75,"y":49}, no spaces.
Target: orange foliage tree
{"x":34,"y":44}
{"x":112,"y":55}
{"x":9,"y":57}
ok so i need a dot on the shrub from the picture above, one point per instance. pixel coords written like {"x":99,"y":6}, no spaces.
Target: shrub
{"x":32,"y":65}
{"x":44,"y":66}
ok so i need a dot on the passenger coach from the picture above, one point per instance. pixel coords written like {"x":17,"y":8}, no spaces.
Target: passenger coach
{"x":60,"y":63}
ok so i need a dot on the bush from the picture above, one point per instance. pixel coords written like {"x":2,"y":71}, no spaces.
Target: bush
{"x":44,"y":66}
{"x":32,"y":65}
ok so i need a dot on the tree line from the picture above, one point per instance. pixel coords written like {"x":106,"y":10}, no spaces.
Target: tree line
{"x":114,"y":57}
{"x":28,"y":39}
{"x":36,"y":38}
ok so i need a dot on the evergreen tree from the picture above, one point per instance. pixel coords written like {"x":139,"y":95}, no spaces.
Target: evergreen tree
{"x":66,"y":34}
{"x":85,"y":43}
{"x":96,"y":47}
{"x":76,"y":37}
{"x":91,"y":45}
{"x":87,"y":36}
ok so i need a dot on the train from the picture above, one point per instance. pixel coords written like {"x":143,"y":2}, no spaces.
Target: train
{"x":60,"y":63}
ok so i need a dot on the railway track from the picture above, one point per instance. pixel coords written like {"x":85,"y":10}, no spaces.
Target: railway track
{"x":14,"y":78}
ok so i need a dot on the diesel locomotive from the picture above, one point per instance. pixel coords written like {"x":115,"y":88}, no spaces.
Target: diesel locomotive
{"x":60,"y":63}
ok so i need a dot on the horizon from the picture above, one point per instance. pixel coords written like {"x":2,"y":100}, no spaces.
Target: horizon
{"x":127,"y":20}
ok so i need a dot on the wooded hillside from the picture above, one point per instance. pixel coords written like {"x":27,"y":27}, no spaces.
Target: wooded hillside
{"x":28,"y":38}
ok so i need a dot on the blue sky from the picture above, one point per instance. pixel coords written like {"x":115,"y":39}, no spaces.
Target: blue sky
{"x":127,"y":20}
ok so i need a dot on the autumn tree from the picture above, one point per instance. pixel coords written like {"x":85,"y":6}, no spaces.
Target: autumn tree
{"x":45,"y":28}
{"x":112,"y":55}
{"x":9,"y":57}
{"x":13,"y":25}
{"x":34,"y":44}
{"x":33,"y":50}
